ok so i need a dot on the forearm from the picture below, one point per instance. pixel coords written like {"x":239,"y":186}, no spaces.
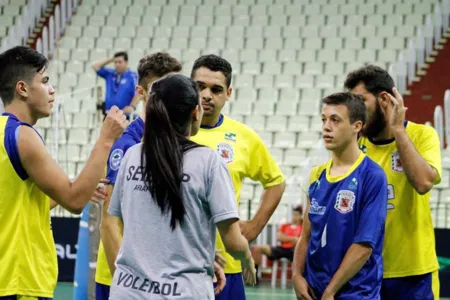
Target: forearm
{"x":418,"y":171}
{"x":300,"y":255}
{"x":111,"y":233}
{"x":353,"y":261}
{"x":101,"y":63}
{"x":269,"y":201}
{"x":240,"y":249}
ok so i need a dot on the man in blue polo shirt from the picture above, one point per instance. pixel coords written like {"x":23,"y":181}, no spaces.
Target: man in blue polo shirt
{"x":120,"y":83}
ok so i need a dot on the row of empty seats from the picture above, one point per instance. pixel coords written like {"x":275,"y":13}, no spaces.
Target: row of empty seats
{"x":9,"y":13}
{"x":246,"y":20}
{"x":274,"y":10}
{"x":124,"y":3}
{"x":257,"y":43}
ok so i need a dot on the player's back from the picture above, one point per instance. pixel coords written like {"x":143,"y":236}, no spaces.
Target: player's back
{"x":347,"y":209}
{"x":408,"y":211}
{"x":28,"y":264}
{"x":179,"y":262}
{"x":131,"y":136}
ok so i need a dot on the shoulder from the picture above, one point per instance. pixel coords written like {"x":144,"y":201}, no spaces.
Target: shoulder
{"x":372,"y":170}
{"x":316,"y":172}
{"x":242,"y":130}
{"x":419,"y":130}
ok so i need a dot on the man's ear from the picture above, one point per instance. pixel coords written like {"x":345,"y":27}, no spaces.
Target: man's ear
{"x":140,"y":91}
{"x":229,"y":92}
{"x":22,"y":89}
{"x":384,"y":100}
{"x":196,"y":113}
{"x":357,"y":126}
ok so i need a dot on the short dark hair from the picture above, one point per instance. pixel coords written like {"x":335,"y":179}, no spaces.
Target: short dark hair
{"x":157,"y":64}
{"x":354,"y":103}
{"x":16,"y":64}
{"x":298,"y":208}
{"x":214,"y":63}
{"x":121,"y":54}
{"x":375,"y":79}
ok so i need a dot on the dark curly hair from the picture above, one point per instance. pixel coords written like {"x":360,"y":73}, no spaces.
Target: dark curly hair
{"x":157,"y":64}
{"x":214,"y":63}
{"x":375,"y":79}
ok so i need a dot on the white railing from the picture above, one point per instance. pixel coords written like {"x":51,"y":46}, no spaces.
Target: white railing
{"x":421,"y":47}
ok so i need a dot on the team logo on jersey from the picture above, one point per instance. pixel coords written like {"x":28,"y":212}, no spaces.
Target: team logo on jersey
{"x":115,"y":159}
{"x":353,"y":185}
{"x":226,"y":152}
{"x":345,"y":201}
{"x":396,"y":163}
{"x":230,"y":136}
{"x":316,"y":209}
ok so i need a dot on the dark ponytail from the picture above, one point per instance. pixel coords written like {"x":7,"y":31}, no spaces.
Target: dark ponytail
{"x":168,"y":115}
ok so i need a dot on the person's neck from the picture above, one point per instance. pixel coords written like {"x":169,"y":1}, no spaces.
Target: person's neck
{"x":385,"y":134}
{"x":211,"y":121}
{"x":22,"y":114}
{"x":346,"y":157}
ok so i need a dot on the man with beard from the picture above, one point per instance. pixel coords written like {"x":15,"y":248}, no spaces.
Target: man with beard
{"x":410,"y":155}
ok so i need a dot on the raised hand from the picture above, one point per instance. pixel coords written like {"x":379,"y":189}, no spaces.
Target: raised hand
{"x":114,"y":124}
{"x":397,"y":117}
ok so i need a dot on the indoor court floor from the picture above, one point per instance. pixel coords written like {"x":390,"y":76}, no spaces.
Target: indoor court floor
{"x":64,"y":291}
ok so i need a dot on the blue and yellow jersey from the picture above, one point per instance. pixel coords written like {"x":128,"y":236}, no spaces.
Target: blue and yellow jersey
{"x":132,"y":136}
{"x":344,"y":210}
{"x":28,"y":262}
{"x":409,"y":246}
{"x":247,"y":156}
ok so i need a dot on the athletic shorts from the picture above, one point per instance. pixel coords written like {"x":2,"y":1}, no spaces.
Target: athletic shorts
{"x":15,"y":297}
{"x":419,"y":287}
{"x":234,"y":288}
{"x":101,"y":291}
{"x":279,"y":252}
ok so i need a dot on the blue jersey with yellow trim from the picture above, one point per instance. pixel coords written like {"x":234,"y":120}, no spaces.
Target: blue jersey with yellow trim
{"x":131,"y":136}
{"x":345,"y":210}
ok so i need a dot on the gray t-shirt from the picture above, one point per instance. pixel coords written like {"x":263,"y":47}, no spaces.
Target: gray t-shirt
{"x":155,"y":262}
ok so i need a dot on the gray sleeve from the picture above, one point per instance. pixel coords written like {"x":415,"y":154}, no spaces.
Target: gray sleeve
{"x":220,"y":194}
{"x":114,"y":208}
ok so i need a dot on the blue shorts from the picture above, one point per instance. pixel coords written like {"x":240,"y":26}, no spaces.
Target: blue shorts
{"x":419,"y":287}
{"x":15,"y":297}
{"x":234,"y":288}
{"x":101,"y":291}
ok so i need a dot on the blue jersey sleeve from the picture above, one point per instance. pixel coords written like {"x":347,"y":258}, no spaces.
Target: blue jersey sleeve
{"x":105,"y":72}
{"x":116,"y":155}
{"x":373,"y":209}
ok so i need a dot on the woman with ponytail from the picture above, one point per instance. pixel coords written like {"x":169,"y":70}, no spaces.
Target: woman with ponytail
{"x":171,"y":194}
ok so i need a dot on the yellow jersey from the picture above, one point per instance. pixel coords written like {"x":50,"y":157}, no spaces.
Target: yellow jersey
{"x":409,"y":244}
{"x":247,"y":156}
{"x":28,"y":262}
